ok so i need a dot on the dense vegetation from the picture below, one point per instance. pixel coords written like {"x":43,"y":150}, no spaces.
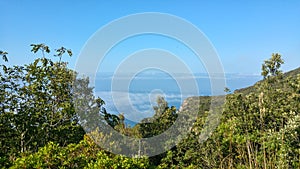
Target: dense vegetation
{"x":259,"y":128}
{"x":40,"y":128}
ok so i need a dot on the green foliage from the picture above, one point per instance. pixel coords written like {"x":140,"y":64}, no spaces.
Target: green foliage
{"x":271,"y":66}
{"x":54,"y":156}
{"x":111,"y":119}
{"x":82,"y":155}
{"x":259,"y":128}
{"x":118,"y":162}
{"x":36,"y":106}
{"x":40,"y":47}
{"x":4,"y":55}
{"x":44,"y":104}
{"x":61,"y":51}
{"x":163,"y":118}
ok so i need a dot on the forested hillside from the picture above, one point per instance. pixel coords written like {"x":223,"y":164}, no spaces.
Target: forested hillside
{"x":291,"y":74}
{"x":40,"y":127}
{"x":259,"y":127}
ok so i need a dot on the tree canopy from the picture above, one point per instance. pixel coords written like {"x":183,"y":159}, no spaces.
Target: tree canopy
{"x":44,"y":106}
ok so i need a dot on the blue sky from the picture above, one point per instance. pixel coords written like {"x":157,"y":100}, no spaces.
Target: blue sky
{"x":244,"y":33}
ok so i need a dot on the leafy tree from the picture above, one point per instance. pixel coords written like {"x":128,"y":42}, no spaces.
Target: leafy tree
{"x":272,"y":66}
{"x":37,"y":105}
{"x":111,"y":119}
{"x":163,"y":118}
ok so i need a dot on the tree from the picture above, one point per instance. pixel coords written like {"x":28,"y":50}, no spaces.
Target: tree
{"x":162,"y":119}
{"x":271,"y":67}
{"x":37,"y":105}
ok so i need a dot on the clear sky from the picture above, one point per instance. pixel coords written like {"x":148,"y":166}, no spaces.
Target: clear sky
{"x":244,"y":33}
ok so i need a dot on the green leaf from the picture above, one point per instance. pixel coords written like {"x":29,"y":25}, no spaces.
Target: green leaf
{"x":70,"y":52}
{"x":4,"y":57}
{"x":4,"y":68}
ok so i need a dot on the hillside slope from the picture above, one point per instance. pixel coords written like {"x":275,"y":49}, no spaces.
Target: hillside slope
{"x":246,"y":90}
{"x":205,"y":101}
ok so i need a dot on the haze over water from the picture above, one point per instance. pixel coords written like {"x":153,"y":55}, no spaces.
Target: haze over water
{"x":145,"y":87}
